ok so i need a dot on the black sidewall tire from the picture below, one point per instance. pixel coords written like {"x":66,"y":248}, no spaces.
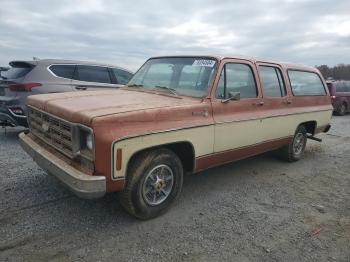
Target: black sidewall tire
{"x":141,"y":209}
{"x":342,"y":110}
{"x":293,"y":156}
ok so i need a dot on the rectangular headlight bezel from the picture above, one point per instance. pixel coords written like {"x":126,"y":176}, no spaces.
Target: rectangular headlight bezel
{"x":80,"y":134}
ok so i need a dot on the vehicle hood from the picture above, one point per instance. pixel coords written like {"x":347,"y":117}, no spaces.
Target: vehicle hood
{"x":83,"y":107}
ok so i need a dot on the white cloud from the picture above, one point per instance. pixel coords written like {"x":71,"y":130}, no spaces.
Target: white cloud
{"x":128,"y":32}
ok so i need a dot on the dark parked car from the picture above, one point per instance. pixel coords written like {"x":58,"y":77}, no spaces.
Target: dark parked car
{"x":340,"y":94}
{"x":26,"y":78}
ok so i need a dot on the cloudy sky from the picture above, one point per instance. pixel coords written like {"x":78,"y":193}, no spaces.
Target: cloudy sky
{"x":126,"y":33}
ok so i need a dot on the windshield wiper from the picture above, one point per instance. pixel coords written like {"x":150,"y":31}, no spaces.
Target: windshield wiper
{"x":134,"y":85}
{"x":172,"y":90}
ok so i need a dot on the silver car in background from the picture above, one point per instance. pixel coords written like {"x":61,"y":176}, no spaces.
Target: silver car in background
{"x":26,"y":78}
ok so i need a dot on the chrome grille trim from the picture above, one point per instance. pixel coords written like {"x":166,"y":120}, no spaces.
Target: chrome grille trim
{"x":54,"y":131}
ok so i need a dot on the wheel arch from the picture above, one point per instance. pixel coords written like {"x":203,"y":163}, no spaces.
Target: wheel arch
{"x":183,"y":149}
{"x":310,"y":126}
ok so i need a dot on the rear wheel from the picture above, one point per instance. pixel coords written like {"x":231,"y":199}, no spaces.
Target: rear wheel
{"x":153,"y":183}
{"x":342,"y":109}
{"x":294,"y":151}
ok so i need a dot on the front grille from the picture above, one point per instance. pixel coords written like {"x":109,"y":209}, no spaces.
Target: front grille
{"x":52,"y":130}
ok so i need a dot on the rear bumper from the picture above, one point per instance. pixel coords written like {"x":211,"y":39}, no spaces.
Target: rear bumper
{"x":84,"y":186}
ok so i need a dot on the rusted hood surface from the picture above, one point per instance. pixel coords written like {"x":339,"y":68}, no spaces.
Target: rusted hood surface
{"x":82,"y":107}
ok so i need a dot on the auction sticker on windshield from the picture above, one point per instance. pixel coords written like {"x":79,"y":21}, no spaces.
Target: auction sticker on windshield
{"x":207,"y":63}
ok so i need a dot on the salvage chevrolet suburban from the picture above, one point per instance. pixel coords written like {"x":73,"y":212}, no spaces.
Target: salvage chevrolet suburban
{"x":177,"y":115}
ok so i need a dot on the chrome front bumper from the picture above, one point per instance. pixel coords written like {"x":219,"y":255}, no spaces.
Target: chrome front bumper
{"x":84,"y":186}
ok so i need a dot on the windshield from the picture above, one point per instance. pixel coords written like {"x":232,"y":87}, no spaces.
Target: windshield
{"x":181,"y":75}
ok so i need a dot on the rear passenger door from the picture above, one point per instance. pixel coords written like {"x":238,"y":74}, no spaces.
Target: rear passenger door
{"x":277,"y":101}
{"x":237,"y":122}
{"x":88,"y":77}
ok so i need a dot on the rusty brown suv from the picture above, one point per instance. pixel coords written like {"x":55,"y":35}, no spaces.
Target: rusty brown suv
{"x":178,"y":114}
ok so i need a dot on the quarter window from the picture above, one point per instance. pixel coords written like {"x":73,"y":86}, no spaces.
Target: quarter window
{"x":272,"y":81}
{"x":236,"y":78}
{"x":306,"y":83}
{"x":65,"y":71}
{"x":96,"y":74}
{"x":123,"y":77}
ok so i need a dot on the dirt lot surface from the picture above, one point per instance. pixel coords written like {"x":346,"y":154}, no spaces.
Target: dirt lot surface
{"x":258,"y":209}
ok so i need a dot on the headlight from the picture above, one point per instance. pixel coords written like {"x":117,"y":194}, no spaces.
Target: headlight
{"x":84,"y":142}
{"x":89,"y":142}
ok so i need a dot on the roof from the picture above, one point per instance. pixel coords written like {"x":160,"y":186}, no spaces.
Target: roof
{"x":248,"y":58}
{"x":48,"y":62}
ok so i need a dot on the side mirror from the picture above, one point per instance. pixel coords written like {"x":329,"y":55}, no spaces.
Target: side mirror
{"x":232,"y":96}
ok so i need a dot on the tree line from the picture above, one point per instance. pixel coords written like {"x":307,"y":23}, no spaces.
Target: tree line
{"x":338,"y":72}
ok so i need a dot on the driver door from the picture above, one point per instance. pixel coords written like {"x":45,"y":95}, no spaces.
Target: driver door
{"x":237,"y":122}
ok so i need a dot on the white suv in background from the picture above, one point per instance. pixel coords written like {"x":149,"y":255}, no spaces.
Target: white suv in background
{"x":26,"y":78}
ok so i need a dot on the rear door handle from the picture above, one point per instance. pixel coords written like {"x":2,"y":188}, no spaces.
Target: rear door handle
{"x":80,"y":87}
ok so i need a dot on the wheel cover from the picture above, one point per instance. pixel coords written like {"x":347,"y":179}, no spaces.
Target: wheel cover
{"x":299,"y":143}
{"x":342,"y":109}
{"x":158,"y":185}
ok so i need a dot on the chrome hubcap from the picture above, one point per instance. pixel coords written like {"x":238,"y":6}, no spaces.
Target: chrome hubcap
{"x":298,"y":144}
{"x":157,"y":185}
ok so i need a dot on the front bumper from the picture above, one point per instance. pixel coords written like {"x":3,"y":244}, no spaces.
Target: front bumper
{"x":7,"y":120}
{"x":7,"y":117}
{"x":84,"y":186}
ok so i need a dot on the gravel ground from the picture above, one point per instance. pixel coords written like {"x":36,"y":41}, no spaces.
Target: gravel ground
{"x":258,"y":209}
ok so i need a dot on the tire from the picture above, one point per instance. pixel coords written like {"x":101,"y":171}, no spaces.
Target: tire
{"x":294,"y":151}
{"x":342,"y":109}
{"x":154,"y":181}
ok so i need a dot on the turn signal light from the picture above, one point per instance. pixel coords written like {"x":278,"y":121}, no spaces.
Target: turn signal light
{"x":118,"y":163}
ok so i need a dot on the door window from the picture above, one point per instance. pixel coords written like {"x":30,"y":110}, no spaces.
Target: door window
{"x":96,"y":74}
{"x":236,"y":78}
{"x":272,"y":81}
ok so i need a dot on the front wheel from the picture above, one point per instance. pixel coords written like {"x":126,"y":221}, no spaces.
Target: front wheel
{"x":153,"y":183}
{"x":294,"y":151}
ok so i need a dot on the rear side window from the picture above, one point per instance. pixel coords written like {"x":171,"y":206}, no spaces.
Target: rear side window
{"x":343,"y":87}
{"x":65,"y":71}
{"x":237,"y":78}
{"x":306,"y":83}
{"x":340,"y":87}
{"x":123,"y":77}
{"x":271,"y":78}
{"x":96,"y":74}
